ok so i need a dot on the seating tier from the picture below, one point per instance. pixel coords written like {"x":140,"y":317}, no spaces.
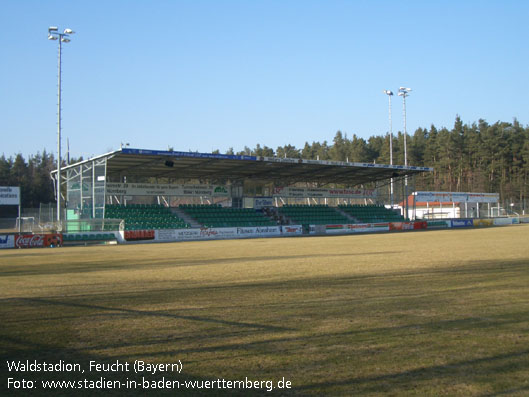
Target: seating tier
{"x":217,"y":216}
{"x":372,"y":213}
{"x":145,"y":217}
{"x":313,"y":214}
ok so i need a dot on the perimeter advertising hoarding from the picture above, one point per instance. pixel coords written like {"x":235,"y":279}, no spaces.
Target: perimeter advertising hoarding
{"x":506,"y":221}
{"x":176,"y":234}
{"x":305,"y":192}
{"x":149,"y":189}
{"x":438,"y":224}
{"x":9,"y":195}
{"x":131,"y":235}
{"x":7,"y":241}
{"x":462,"y":223}
{"x":216,"y":233}
{"x":292,"y":230}
{"x":401,"y":226}
{"x":357,"y":228}
{"x":483,"y":222}
{"x":194,"y":234}
{"x":37,"y":240}
{"x":417,"y":225}
{"x":259,"y":231}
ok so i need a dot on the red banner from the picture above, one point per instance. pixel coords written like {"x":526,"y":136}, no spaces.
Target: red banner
{"x":408,"y":225}
{"x":420,"y":225}
{"x":139,"y":235}
{"x":38,"y":240}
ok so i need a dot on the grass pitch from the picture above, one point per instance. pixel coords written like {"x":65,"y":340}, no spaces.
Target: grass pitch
{"x":400,"y":314}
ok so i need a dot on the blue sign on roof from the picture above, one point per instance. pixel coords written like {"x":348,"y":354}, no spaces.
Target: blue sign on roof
{"x":186,"y":154}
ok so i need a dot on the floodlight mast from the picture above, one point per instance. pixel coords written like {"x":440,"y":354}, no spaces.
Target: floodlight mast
{"x":54,"y":34}
{"x":404,"y":92}
{"x":389,"y":93}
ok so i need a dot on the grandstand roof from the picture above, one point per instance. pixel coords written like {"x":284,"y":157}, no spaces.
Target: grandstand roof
{"x":208,"y":166}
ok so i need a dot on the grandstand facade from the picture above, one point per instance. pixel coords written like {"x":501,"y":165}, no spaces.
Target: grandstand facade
{"x":136,"y":190}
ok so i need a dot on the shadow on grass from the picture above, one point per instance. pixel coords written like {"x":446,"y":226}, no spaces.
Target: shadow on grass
{"x":348,"y":297}
{"x":150,"y":313}
{"x":97,"y":266}
{"x":404,"y":380}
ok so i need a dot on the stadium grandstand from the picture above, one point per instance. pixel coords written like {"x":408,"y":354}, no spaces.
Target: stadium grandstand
{"x":134,"y":190}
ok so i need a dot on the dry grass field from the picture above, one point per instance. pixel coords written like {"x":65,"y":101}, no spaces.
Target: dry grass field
{"x":435,"y":313}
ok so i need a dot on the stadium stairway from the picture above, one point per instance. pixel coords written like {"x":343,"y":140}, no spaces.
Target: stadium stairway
{"x":347,"y":215}
{"x":145,"y":217}
{"x":318,"y":214}
{"x":182,"y":215}
{"x":371,"y":213}
{"x":217,"y":216}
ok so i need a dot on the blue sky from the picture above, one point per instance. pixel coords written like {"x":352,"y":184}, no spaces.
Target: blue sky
{"x":205,"y":75}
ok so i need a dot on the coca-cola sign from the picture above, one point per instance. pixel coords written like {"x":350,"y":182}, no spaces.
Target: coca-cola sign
{"x":29,"y":240}
{"x":37,"y":240}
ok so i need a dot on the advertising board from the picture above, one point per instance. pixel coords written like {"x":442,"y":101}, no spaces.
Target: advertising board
{"x":357,"y":228}
{"x":149,"y":189}
{"x":503,"y":221}
{"x":218,"y":233}
{"x":461,"y":223}
{"x":483,"y":222}
{"x":291,"y":230}
{"x":187,"y":234}
{"x":7,"y":241}
{"x":438,"y":224}
{"x":317,"y":229}
{"x":334,"y":229}
{"x":415,"y":225}
{"x":195,"y":234}
{"x":131,"y":235}
{"x":263,"y":202}
{"x":9,"y":195}
{"x":304,"y":192}
{"x":401,"y":226}
{"x":37,"y":240}
{"x":419,"y":225}
{"x":176,"y":234}
{"x":368,"y":227}
{"x":457,"y":197}
{"x":260,"y":231}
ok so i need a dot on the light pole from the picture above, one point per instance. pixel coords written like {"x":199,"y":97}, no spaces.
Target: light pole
{"x":64,"y":37}
{"x":404,"y":92}
{"x":390,"y":94}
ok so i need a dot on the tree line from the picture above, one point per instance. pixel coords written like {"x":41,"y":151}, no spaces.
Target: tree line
{"x":477,"y":157}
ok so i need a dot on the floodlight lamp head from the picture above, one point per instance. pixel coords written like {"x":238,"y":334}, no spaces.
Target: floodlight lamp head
{"x":404,"y":89}
{"x":51,"y":37}
{"x":65,"y":40}
{"x":68,"y":31}
{"x":388,"y":92}
{"x":53,"y":29}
